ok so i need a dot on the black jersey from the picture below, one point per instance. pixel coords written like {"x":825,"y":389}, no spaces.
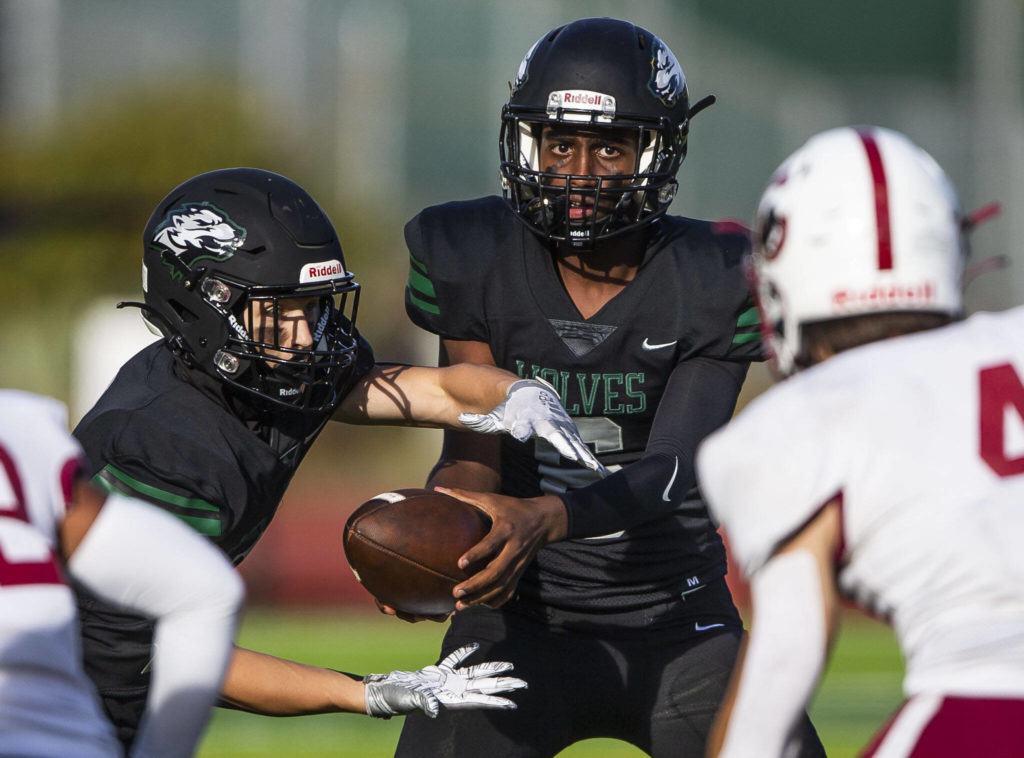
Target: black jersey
{"x":478,"y":274}
{"x":175,"y":438}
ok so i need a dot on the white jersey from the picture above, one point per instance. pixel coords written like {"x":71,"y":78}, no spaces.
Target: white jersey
{"x":47,"y":704}
{"x":922,"y":438}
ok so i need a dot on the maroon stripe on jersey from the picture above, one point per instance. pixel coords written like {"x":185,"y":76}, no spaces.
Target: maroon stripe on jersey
{"x":16,"y":509}
{"x":881,"y":186}
{"x":22,"y":572}
{"x":973,"y":726}
{"x":69,"y":473}
{"x":963,"y":726}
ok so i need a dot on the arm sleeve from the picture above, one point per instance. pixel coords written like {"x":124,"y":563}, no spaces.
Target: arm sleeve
{"x":700,"y":397}
{"x":147,"y":561}
{"x":784,"y":658}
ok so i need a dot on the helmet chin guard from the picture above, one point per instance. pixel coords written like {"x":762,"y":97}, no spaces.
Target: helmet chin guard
{"x":859,"y":220}
{"x":237,"y":264}
{"x":595,"y":74}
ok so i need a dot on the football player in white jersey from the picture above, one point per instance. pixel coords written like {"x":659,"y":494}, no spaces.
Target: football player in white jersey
{"x":130,"y":553}
{"x":890,"y":471}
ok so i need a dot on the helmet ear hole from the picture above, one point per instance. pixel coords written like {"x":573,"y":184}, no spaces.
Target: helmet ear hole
{"x":183,"y":313}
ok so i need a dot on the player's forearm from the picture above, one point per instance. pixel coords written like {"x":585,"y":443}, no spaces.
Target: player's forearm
{"x":468,"y":461}
{"x":462,"y":474}
{"x":784,"y":656}
{"x":640,"y":492}
{"x":272,"y":686}
{"x":422,"y":396}
{"x":472,"y":387}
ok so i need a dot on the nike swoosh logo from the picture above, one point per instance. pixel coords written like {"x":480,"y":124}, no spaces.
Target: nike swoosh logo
{"x":671,"y":481}
{"x":697,"y":625}
{"x":648,"y":346}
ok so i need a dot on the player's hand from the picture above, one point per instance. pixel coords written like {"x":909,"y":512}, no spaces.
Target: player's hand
{"x":444,"y":684}
{"x":410,"y":617}
{"x":532,"y":409}
{"x":519,"y":528}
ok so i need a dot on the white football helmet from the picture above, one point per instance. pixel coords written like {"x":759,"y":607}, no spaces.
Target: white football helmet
{"x":858,"y":220}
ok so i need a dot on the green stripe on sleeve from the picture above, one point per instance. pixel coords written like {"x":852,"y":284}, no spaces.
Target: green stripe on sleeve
{"x":159,"y":494}
{"x":740,"y":339}
{"x":423,"y":305}
{"x":749,"y":317}
{"x":420,"y":283}
{"x":413,"y":263}
{"x":207,"y":525}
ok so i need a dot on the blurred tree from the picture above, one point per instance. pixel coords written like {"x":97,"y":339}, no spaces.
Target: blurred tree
{"x":75,"y":203}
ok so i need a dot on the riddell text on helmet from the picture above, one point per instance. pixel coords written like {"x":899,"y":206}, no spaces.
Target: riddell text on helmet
{"x":583,"y":99}
{"x":315,"y":272}
{"x":885,"y":294}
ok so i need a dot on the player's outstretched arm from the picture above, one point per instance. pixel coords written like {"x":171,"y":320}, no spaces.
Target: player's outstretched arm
{"x":137,"y":556}
{"x":795,"y":601}
{"x":272,"y":686}
{"x":480,"y":397}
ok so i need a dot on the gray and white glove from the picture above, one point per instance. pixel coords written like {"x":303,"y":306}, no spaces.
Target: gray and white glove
{"x":470,"y":687}
{"x":532,"y":409}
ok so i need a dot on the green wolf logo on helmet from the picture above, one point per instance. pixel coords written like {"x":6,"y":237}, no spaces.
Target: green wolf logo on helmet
{"x":199,"y":230}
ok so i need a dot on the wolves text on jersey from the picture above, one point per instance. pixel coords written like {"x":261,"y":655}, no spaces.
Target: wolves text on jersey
{"x":601,"y":394}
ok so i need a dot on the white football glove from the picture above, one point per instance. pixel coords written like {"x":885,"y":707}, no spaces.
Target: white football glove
{"x":531,"y":409}
{"x":471,"y":687}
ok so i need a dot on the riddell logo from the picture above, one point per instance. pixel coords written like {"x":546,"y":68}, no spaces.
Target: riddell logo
{"x":318,"y":272}
{"x":883,"y":295}
{"x":582,"y":99}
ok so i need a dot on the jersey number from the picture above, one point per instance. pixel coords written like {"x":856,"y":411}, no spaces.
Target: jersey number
{"x":12,"y":506}
{"x":1000,"y":388}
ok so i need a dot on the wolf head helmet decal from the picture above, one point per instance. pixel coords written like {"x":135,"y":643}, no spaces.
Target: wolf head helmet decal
{"x":668,"y":82}
{"x":199,"y":230}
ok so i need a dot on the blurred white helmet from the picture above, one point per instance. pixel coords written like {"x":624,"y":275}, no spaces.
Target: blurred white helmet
{"x":858,"y":220}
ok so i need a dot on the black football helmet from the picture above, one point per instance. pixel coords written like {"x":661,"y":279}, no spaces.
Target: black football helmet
{"x":595,"y":73}
{"x":221,"y":253}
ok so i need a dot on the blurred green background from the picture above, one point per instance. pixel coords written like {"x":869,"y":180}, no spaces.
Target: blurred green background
{"x":380,"y":107}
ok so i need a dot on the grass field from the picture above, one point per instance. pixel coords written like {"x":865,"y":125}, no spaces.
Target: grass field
{"x":861,"y":687}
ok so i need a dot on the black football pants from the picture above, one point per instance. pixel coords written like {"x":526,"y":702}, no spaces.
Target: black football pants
{"x":653,"y":678}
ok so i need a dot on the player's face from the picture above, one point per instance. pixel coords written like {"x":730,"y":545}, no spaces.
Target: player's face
{"x":288,"y":324}
{"x":583,"y":154}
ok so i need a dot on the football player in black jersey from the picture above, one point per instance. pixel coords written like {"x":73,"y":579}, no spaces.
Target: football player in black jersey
{"x":609,"y":593}
{"x":245,"y":279}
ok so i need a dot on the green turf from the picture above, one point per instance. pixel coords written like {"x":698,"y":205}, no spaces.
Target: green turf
{"x":861,"y":687}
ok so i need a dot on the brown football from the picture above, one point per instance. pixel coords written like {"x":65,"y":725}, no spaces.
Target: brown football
{"x":404,"y":547}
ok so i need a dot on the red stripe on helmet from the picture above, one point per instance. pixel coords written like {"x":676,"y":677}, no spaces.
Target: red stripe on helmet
{"x":881,"y":198}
